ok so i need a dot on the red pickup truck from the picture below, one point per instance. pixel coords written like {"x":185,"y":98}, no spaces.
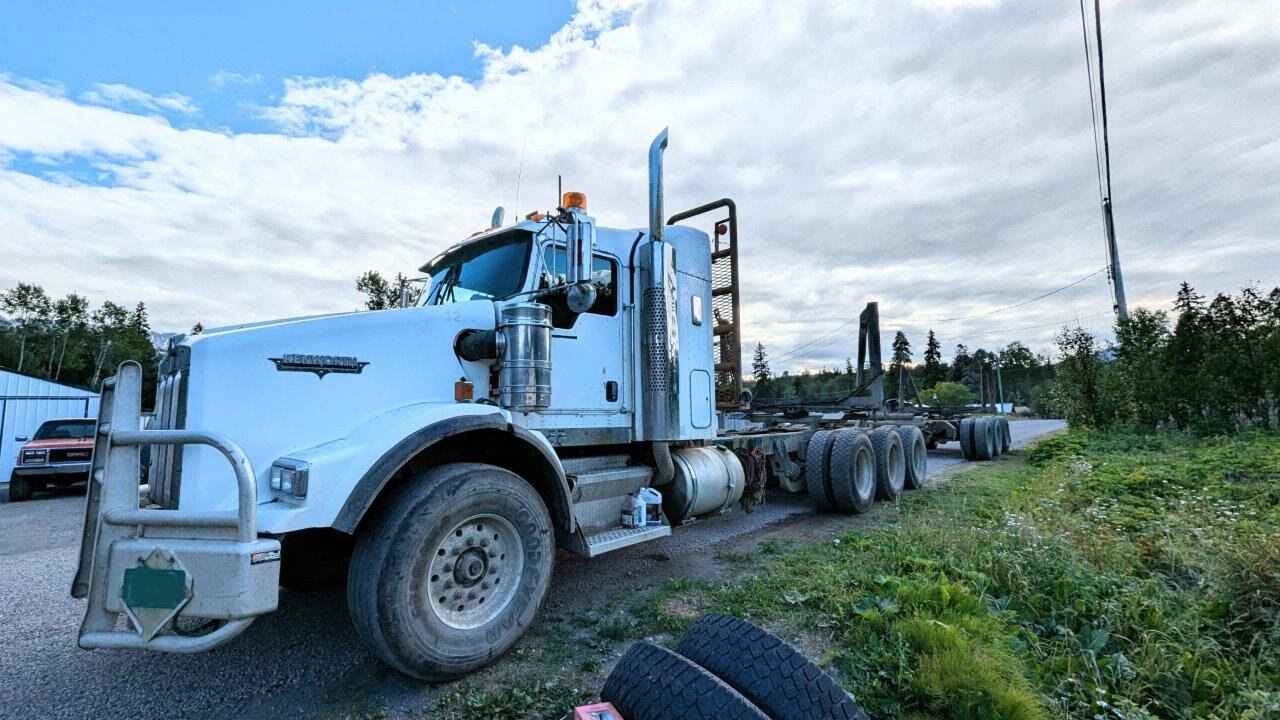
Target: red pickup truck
{"x":58,"y":454}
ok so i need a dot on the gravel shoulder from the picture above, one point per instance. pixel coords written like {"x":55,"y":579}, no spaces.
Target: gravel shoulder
{"x":305,"y":659}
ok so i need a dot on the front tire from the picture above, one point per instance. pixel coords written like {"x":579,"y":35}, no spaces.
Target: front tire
{"x":450,"y":570}
{"x":19,"y":488}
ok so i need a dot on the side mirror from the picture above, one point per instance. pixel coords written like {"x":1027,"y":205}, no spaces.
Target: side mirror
{"x":21,"y":439}
{"x":580,"y":295}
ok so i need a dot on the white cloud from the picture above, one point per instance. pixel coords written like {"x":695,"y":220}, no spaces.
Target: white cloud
{"x":130,"y":98}
{"x":939,"y":162}
{"x":225,"y":78}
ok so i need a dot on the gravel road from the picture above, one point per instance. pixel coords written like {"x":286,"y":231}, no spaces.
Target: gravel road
{"x":304,"y":660}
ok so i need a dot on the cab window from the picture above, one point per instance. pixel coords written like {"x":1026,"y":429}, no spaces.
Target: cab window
{"x":554,"y":273}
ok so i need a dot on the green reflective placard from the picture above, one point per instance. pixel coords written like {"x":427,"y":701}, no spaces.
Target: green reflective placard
{"x":146,"y":587}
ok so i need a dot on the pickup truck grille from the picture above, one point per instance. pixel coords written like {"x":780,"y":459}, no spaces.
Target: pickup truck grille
{"x":164,"y":474}
{"x":70,"y":455}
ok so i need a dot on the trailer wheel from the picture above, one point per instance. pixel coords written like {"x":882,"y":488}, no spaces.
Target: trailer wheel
{"x":851,"y":470}
{"x":815,"y":470}
{"x":917,"y":460}
{"x":450,"y":571}
{"x":767,"y":671}
{"x":890,"y":466}
{"x":19,"y":488}
{"x":968,"y":449}
{"x":1006,"y":438}
{"x":984,"y":438}
{"x":653,"y":683}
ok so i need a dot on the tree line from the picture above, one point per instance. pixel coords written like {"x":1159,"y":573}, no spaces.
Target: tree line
{"x":67,"y":341}
{"x":1212,"y":366}
{"x":958,"y":382}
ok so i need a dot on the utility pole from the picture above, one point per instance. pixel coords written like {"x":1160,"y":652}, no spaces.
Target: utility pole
{"x":1113,"y":250}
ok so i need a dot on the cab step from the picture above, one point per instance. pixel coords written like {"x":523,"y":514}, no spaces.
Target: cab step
{"x":618,"y":538}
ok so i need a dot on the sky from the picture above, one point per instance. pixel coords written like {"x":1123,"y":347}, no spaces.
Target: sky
{"x":241,"y":161}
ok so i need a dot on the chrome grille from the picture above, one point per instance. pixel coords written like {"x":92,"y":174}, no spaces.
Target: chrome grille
{"x":165,"y":468}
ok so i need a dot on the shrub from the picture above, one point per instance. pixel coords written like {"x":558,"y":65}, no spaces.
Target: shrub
{"x":949,"y":394}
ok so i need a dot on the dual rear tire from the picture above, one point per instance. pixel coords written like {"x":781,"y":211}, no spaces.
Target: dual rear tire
{"x":840,"y":472}
{"x":984,"y":438}
{"x":847,"y":469}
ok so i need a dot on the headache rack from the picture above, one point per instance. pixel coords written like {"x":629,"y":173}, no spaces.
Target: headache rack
{"x":727,"y":322}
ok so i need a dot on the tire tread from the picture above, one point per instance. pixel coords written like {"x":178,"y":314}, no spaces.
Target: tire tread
{"x":767,"y":671}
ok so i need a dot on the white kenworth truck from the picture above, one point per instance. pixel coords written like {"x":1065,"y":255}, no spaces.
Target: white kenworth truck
{"x":560,"y":385}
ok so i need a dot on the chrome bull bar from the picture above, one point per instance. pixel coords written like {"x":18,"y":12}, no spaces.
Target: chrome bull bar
{"x":205,"y":565}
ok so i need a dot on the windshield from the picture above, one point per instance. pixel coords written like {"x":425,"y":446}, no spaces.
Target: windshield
{"x":492,"y":271}
{"x":65,"y":430}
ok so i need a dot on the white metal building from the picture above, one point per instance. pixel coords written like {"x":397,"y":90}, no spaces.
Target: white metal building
{"x":25,"y":402}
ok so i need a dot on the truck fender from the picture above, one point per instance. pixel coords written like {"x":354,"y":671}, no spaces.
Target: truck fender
{"x":545,"y":472}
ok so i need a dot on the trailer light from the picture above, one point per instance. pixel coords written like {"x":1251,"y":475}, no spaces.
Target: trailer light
{"x":463,"y":390}
{"x":573,"y":199}
{"x":290,"y":477}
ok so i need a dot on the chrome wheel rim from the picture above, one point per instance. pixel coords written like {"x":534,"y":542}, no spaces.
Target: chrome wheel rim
{"x":865,"y":473}
{"x":475,"y":571}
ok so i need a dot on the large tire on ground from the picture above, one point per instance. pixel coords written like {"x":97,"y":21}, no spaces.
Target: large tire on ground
{"x":983,"y":439}
{"x":914,"y":455}
{"x":19,"y":488}
{"x":450,"y":569}
{"x":967,"y":446}
{"x":815,"y":470}
{"x":997,"y":437}
{"x":851,"y":471}
{"x":1006,"y":438}
{"x":653,"y":683}
{"x":890,"y":465}
{"x":767,"y":671}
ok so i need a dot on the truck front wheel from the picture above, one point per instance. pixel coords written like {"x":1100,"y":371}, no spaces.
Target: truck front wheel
{"x":450,"y":570}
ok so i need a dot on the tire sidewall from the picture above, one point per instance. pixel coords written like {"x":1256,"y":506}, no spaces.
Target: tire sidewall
{"x":417,"y":640}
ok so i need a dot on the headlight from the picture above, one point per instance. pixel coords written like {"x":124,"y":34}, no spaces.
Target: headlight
{"x":289,"y":478}
{"x":35,"y":456}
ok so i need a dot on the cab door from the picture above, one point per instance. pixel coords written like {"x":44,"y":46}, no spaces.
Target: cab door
{"x":588,"y":368}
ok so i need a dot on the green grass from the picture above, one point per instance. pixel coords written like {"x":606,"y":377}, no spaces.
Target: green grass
{"x":1116,"y":576}
{"x":1095,"y":576}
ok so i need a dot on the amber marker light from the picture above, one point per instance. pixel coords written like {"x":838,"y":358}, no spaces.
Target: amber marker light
{"x":574,"y":199}
{"x":463,"y":391}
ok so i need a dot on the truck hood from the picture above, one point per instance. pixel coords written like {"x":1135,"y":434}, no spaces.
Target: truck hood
{"x":281,"y":387}
{"x":55,"y":443}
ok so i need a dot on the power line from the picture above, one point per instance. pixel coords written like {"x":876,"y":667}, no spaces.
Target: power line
{"x":1001,"y":331}
{"x":795,"y":353}
{"x":1093,"y":107}
{"x":820,"y":337}
{"x":1073,"y":283}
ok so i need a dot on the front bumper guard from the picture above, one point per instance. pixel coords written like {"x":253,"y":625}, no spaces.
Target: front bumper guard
{"x":158,"y":566}
{"x":60,"y":468}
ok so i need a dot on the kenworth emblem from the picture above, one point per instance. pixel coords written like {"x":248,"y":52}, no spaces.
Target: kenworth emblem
{"x":321,"y":365}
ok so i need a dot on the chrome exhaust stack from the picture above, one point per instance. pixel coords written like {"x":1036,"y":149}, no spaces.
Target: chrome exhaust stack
{"x":659,"y":337}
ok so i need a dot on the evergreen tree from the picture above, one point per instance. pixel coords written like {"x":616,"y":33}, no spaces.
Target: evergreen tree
{"x":197,"y":329}
{"x":933,"y":372}
{"x":760,"y":365}
{"x":900,"y":360}
{"x":960,"y":366}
